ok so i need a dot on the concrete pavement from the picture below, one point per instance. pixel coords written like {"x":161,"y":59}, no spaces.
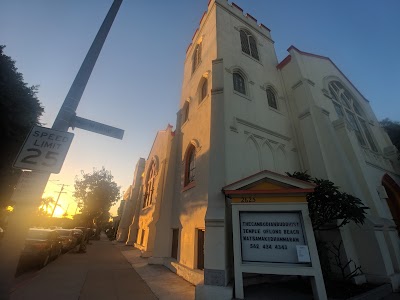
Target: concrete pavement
{"x":100,"y":273}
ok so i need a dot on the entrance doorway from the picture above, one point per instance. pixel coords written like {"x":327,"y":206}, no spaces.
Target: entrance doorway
{"x":175,"y":240}
{"x":393,"y":200}
{"x":200,"y":249}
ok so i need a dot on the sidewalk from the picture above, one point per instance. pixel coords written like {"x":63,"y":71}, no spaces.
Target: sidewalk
{"x":165,"y":284}
{"x":101,"y":273}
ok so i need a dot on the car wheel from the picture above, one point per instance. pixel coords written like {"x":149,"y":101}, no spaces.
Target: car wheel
{"x":46,"y":260}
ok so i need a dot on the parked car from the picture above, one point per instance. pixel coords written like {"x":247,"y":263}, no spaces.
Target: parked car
{"x":78,"y":234}
{"x":41,"y":246}
{"x":68,"y":239}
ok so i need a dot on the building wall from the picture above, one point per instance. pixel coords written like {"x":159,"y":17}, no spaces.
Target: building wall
{"x":236,"y":135}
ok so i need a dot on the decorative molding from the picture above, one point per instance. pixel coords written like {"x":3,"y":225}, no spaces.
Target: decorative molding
{"x":217,"y":61}
{"x":273,"y":142}
{"x":310,"y":82}
{"x":215,"y":223}
{"x":297,"y":84}
{"x":255,"y":135}
{"x":233,"y":125}
{"x":325,"y":112}
{"x":257,"y":127}
{"x":326,"y":93}
{"x":304,"y":114}
{"x":206,"y":74}
{"x":217,"y":91}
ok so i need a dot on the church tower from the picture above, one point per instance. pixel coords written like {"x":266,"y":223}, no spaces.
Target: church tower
{"x":233,"y":122}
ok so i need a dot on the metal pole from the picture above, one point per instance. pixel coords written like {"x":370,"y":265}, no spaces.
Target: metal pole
{"x":68,"y":109}
{"x":14,"y":238}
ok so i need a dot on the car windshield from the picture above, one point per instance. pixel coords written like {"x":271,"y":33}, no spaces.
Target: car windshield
{"x":64,"y":232}
{"x":38,"y":234}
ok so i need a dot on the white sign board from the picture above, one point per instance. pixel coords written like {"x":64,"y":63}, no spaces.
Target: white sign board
{"x":271,"y":236}
{"x":44,"y":150}
{"x":29,"y":188}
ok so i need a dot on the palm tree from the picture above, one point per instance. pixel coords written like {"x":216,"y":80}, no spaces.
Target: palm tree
{"x":46,"y":204}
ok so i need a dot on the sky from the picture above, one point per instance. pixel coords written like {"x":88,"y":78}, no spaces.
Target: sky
{"x":136,"y":83}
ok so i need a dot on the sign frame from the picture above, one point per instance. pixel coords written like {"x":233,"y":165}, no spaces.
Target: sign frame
{"x":312,"y":269}
{"x":44,"y":150}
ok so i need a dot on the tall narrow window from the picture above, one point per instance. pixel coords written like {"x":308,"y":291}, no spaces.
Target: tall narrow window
{"x":204,"y":90}
{"x":238,"y":83}
{"x":148,"y":196}
{"x":271,"y":99}
{"x":249,"y":44}
{"x":190,"y":165}
{"x":346,"y":106}
{"x":185,"y":112}
{"x":196,"y":57}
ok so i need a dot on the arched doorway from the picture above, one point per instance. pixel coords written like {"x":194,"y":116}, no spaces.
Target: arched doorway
{"x":393,"y":200}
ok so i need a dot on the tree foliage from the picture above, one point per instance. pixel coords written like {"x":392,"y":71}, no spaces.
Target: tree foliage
{"x":97,"y":192}
{"x":327,"y":204}
{"x":393,"y":130}
{"x":46,"y":206}
{"x":20,"y":109}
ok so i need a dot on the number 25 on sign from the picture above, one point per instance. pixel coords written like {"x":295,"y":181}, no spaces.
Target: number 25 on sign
{"x":44,"y":150}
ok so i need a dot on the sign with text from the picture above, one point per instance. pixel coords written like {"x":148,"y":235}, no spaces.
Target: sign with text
{"x":97,"y":127}
{"x":44,"y":150}
{"x":271,"y":236}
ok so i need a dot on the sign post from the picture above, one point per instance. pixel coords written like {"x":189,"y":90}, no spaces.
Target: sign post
{"x":44,"y":154}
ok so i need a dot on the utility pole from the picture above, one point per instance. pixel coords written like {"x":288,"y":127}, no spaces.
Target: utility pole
{"x":14,"y":237}
{"x":58,"y":198}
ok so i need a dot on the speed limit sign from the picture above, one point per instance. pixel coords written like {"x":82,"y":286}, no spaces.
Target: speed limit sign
{"x":44,"y":150}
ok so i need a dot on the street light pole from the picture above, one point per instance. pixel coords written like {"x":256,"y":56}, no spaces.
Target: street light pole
{"x":14,"y":238}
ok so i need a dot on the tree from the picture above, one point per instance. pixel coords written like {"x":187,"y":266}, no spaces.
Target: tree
{"x":392,"y":128}
{"x":20,"y":109}
{"x":45,"y":205}
{"x":327,"y":204}
{"x":97,"y":192}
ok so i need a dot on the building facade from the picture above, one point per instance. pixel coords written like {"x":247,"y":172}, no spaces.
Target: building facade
{"x":242,"y":112}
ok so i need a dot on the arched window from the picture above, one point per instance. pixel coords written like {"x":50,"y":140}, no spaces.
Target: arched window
{"x":190,"y":165}
{"x":149,"y":189}
{"x":271,"y":99}
{"x":346,"y":106}
{"x":196,"y":57}
{"x":249,"y":44}
{"x":204,"y":90}
{"x":239,"y":83}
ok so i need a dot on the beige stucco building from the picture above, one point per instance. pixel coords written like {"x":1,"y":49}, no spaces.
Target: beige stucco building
{"x":241,"y":112}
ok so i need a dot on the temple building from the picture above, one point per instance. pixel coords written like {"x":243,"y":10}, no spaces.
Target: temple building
{"x":244,"y":115}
